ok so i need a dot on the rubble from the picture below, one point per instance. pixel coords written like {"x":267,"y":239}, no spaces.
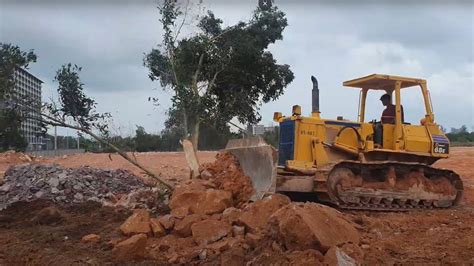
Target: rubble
{"x":255,"y":216}
{"x":91,"y":238}
{"x":183,"y":227}
{"x":301,"y":226}
{"x":210,"y":230}
{"x":167,"y":221}
{"x":30,"y":182}
{"x":199,"y":200}
{"x":138,"y":223}
{"x":156,"y":227}
{"x":227,"y":175}
{"x":132,"y":248}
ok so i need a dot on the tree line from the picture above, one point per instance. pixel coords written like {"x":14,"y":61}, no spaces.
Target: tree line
{"x":210,"y":140}
{"x":461,"y":136}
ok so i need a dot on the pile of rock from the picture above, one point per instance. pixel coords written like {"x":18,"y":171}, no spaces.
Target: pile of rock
{"x":13,"y":157}
{"x":205,"y":225}
{"x":225,"y":173}
{"x":71,"y":185}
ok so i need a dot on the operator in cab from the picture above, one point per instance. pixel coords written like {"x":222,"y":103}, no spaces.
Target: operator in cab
{"x":388,"y":115}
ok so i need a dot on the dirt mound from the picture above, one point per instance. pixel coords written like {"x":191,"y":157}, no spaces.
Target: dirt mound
{"x":227,"y":175}
{"x":263,"y":232}
{"x":13,"y":157}
{"x":66,"y":185}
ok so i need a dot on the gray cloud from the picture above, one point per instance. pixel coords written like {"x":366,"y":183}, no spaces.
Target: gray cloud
{"x":333,"y":40}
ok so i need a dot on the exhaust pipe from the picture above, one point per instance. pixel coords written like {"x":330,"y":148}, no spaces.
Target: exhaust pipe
{"x":315,"y":95}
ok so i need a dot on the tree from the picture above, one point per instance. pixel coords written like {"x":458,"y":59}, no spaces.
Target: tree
{"x":146,"y":142}
{"x":219,"y":73}
{"x":11,"y":58}
{"x":77,"y":111}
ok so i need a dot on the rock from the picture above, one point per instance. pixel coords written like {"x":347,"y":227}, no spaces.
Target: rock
{"x":238,"y":231}
{"x":222,"y":245}
{"x":93,"y":238}
{"x":206,"y":175}
{"x":335,"y":256}
{"x":214,"y":201}
{"x":311,"y":226}
{"x":209,"y":201}
{"x":48,"y":215}
{"x":5,"y":188}
{"x":226,"y":174}
{"x":253,"y":240}
{"x":53,"y":182}
{"x":194,"y":185}
{"x":232,"y":214}
{"x":276,"y":247}
{"x":183,"y":227}
{"x":78,"y":196}
{"x":173,"y":258}
{"x":233,"y":257}
{"x":180,"y":212}
{"x":167,"y":221}
{"x":138,"y":222}
{"x":210,"y":230}
{"x":156,"y":227}
{"x":203,"y":254}
{"x":306,"y":257}
{"x":132,"y":248}
{"x":354,"y":251}
{"x":256,"y":215}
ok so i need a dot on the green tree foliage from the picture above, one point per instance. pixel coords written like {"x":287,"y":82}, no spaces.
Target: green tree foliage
{"x":10,"y":135}
{"x":219,"y":73}
{"x":11,"y":58}
{"x":460,"y":135}
{"x":146,"y":142}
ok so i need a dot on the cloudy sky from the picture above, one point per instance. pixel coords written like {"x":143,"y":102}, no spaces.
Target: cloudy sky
{"x":333,"y":40}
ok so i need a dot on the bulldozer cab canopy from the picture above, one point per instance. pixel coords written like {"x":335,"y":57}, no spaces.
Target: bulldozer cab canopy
{"x":390,"y":84}
{"x":382,"y":82}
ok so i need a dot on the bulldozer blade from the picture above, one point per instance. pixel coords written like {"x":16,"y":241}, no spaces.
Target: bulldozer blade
{"x":258,"y":160}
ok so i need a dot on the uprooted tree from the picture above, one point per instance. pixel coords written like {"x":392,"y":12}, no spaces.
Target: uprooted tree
{"x":11,"y":117}
{"x":219,"y":73}
{"x":75,"y":110}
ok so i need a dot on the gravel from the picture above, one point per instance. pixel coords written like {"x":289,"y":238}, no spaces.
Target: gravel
{"x":30,"y":182}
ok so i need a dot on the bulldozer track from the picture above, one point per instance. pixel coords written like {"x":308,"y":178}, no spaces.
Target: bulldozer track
{"x":362,"y":198}
{"x":327,"y":188}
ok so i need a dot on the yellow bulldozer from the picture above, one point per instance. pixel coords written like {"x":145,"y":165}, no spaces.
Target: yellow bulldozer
{"x":356,"y":164}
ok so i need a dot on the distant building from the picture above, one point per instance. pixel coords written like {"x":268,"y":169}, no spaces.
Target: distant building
{"x":28,"y":87}
{"x":260,"y":129}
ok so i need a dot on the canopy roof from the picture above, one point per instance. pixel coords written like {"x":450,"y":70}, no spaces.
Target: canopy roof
{"x":382,"y":82}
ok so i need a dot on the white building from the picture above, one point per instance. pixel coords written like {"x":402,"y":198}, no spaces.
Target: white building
{"x":28,"y":87}
{"x":260,"y":129}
